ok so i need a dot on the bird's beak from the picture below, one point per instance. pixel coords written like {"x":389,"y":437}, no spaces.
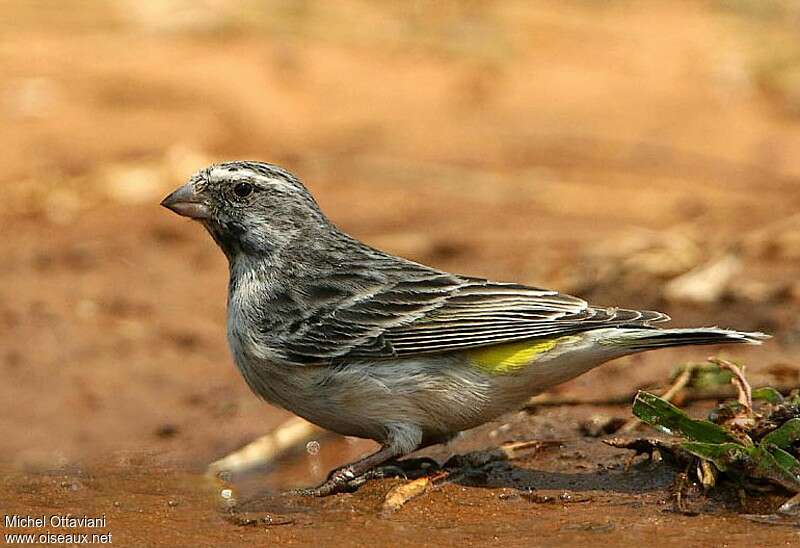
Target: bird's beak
{"x":188,"y":202}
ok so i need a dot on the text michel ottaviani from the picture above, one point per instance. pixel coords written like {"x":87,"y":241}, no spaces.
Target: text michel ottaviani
{"x":56,"y":520}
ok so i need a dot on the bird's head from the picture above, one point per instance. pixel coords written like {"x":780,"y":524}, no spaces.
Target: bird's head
{"x":249,"y":207}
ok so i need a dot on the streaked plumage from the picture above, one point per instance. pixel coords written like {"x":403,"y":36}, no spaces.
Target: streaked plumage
{"x":368,"y":344}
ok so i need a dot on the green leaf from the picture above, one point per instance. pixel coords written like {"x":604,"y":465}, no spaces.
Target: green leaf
{"x":767,"y":393}
{"x":785,"y":460}
{"x":723,"y":455}
{"x":661,"y":414}
{"x":785,"y":436}
{"x":772,"y":463}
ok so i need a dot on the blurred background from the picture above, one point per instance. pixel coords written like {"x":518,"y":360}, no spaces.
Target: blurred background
{"x":641,"y":154}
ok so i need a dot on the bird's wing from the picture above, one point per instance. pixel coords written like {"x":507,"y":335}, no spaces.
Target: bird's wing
{"x":436,"y":312}
{"x":486,"y":313}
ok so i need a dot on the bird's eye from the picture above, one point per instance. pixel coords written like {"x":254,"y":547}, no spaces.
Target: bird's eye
{"x":243,"y":190}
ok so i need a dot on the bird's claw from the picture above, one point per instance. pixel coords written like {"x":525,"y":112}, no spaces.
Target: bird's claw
{"x":339,"y":481}
{"x":344,"y":480}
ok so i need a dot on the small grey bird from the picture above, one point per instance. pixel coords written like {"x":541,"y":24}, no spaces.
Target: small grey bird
{"x":370,"y":345}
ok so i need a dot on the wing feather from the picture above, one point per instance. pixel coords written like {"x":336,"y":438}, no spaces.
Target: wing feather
{"x":428,"y":311}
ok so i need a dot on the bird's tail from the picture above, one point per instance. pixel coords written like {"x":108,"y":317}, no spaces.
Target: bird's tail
{"x":639,"y":340}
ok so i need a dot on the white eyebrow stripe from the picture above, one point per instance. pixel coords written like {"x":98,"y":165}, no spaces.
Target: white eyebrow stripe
{"x":222,"y":173}
{"x":243,"y":174}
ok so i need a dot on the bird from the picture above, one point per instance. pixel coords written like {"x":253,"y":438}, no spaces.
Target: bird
{"x":367,"y":344}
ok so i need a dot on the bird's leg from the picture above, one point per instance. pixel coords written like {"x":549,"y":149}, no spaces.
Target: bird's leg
{"x":339,"y":479}
{"x":401,"y":439}
{"x":406,"y":468}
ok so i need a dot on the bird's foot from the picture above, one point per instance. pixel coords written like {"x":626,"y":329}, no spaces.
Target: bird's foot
{"x":407,"y":468}
{"x":338,"y":482}
{"x":404,"y":469}
{"x":344,"y":480}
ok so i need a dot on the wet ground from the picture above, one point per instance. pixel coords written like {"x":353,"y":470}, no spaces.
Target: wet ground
{"x":602,"y":151}
{"x":577,"y":492}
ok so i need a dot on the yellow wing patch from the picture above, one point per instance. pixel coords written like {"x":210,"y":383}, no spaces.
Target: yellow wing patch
{"x":507,"y":358}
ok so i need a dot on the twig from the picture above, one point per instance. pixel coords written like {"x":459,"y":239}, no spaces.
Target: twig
{"x":745,"y":393}
{"x":550,"y":400}
{"x":682,"y":482}
{"x":679,"y":384}
{"x":399,"y":495}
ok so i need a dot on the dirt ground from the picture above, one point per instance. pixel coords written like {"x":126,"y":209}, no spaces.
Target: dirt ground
{"x":605,"y":149}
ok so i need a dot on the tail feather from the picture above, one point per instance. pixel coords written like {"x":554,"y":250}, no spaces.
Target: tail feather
{"x":647,"y":339}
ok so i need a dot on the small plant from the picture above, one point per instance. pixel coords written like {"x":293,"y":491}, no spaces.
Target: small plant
{"x":755,"y":446}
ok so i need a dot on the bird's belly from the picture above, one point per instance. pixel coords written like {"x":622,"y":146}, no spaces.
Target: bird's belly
{"x":440,"y":395}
